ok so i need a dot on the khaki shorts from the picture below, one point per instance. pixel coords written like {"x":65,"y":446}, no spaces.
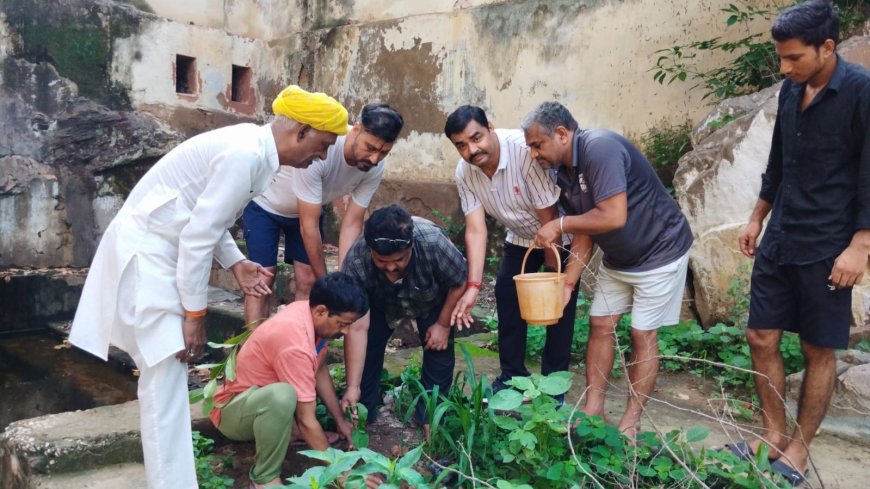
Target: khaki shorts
{"x":653,"y":297}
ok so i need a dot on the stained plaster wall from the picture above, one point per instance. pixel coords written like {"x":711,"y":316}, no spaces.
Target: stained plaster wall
{"x":426,"y":58}
{"x":146,"y":64}
{"x":593,"y":56}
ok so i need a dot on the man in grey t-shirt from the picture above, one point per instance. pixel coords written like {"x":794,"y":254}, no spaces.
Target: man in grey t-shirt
{"x":612,"y":198}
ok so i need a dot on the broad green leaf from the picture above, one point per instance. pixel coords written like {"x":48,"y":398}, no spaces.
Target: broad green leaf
{"x":521,"y":383}
{"x":505,"y":422}
{"x":230,"y":370}
{"x":506,"y":400}
{"x":410,"y":458}
{"x":220,"y":345}
{"x":311,"y":475}
{"x":412,"y":477}
{"x":330,"y":455}
{"x":195,"y":396}
{"x":207,"y":405}
{"x":554,"y":472}
{"x":553,"y":386}
{"x":697,"y":433}
{"x":210,"y":388}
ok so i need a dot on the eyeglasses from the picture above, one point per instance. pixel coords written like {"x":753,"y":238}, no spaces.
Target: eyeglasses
{"x":393,"y":241}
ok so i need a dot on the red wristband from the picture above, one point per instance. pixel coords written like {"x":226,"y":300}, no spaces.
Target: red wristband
{"x":569,"y":284}
{"x":472,"y":283}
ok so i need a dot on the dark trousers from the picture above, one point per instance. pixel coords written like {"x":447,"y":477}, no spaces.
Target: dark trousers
{"x":512,"y":329}
{"x":437,"y":365}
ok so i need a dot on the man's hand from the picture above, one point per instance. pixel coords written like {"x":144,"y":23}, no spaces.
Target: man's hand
{"x":437,"y":337}
{"x":548,"y":234}
{"x":848,"y":268}
{"x":350,"y":398}
{"x":461,"y":315}
{"x":193,"y":331}
{"x":251,"y":278}
{"x":566,"y":296}
{"x":374,"y":481}
{"x":748,"y":238}
{"x":345,"y":429}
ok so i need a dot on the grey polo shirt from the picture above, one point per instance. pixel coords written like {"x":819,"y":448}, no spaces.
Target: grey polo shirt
{"x":656,"y":232}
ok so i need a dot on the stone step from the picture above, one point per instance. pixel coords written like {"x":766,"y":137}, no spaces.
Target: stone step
{"x":119,"y":476}
{"x":63,"y":447}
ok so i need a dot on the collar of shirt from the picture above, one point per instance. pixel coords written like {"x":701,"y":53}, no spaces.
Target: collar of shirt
{"x":834,"y":84}
{"x":271,"y":148}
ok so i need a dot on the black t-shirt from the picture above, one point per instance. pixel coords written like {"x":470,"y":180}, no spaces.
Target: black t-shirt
{"x":656,"y":232}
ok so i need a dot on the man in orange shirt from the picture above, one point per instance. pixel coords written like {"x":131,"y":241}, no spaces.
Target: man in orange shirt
{"x":282,"y":370}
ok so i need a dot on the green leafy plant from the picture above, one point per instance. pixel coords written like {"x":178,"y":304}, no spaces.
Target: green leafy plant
{"x":226,"y":368}
{"x":454,"y":230}
{"x":359,"y":437}
{"x":754,"y":65}
{"x":206,"y":464}
{"x":664,"y":145}
{"x":720,"y":122}
{"x":395,"y":473}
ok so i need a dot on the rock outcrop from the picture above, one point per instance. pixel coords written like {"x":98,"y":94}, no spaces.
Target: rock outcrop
{"x":717,"y":185}
{"x":67,"y":163}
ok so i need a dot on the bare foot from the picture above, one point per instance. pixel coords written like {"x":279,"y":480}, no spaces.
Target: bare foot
{"x":630,"y":432}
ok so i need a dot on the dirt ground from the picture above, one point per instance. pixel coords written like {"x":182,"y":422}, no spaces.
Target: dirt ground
{"x":680,"y":400}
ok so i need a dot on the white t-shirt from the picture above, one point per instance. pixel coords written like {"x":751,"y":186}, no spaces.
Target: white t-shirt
{"x":320,"y":183}
{"x":518,"y":187}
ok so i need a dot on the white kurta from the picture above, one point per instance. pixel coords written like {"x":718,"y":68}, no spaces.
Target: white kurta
{"x":170,"y":227}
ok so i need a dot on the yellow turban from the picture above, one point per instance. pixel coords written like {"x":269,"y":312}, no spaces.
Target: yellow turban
{"x":318,"y":110}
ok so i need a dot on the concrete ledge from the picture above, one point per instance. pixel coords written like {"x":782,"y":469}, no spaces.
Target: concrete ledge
{"x":121,"y":476}
{"x":75,"y":442}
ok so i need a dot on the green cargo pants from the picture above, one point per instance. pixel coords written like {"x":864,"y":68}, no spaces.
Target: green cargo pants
{"x":265,"y":415}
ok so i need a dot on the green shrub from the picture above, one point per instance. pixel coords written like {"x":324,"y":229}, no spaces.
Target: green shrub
{"x":755,"y":64}
{"x":663,"y":146}
{"x":207,"y":466}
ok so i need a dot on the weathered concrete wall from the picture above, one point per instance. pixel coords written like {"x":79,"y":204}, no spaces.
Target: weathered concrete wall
{"x":426,"y":58}
{"x":594,"y":56}
{"x":115,"y":61}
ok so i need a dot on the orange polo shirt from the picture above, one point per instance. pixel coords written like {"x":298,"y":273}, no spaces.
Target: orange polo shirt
{"x":282,"y":349}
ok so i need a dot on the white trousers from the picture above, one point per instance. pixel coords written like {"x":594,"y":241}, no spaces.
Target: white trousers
{"x":164,"y":409}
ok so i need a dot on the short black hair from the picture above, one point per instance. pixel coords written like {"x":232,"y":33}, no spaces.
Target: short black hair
{"x":340,"y":293}
{"x":389,"y":230}
{"x":812,"y":23}
{"x":548,"y":116}
{"x":459,"y":119}
{"x":381,"y":120}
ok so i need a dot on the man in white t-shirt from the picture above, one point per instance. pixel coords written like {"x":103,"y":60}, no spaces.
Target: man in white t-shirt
{"x":292,"y":203}
{"x":497,"y":176}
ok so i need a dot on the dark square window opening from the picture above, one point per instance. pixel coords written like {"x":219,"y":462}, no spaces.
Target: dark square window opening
{"x":185,"y":74}
{"x":240,"y":90}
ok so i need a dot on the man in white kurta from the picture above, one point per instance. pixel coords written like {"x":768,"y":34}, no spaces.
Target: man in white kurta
{"x":147,"y":287}
{"x":292,"y":204}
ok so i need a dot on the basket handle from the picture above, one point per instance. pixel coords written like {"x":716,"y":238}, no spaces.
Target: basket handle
{"x":552,"y":247}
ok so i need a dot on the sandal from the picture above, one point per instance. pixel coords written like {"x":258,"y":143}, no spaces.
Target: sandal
{"x":789,"y":473}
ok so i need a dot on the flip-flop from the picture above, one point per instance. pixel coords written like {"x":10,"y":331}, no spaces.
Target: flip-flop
{"x":789,"y":473}
{"x":741,"y":450}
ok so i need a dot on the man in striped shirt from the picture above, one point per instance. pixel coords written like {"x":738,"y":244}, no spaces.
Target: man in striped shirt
{"x":497,"y":176}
